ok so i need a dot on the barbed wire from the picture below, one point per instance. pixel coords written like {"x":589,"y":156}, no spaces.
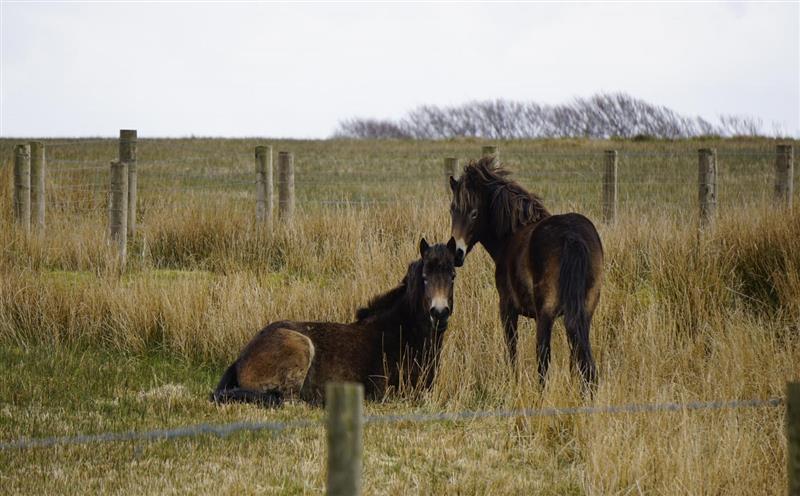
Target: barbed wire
{"x":515,"y":156}
{"x":51,"y":161}
{"x":577,"y":410}
{"x":200,"y":180}
{"x":525,"y":153}
{"x":659,"y":189}
{"x":84,"y":205}
{"x":693,"y":153}
{"x":168,"y":161}
{"x":771,"y":154}
{"x":360,"y":202}
{"x":72,"y":170}
{"x":228,"y":429}
{"x":357,"y":177}
{"x":81,"y":142}
{"x":98,"y":196}
{"x":78,"y":187}
{"x":196,"y":188}
{"x":73,"y":211}
{"x":187,"y":182}
{"x":157,"y":435}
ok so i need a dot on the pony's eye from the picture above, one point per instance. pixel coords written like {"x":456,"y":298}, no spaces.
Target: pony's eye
{"x":454,"y":276}
{"x":474,"y":214}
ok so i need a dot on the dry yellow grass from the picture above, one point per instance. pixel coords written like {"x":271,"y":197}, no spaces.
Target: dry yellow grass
{"x":683,"y":317}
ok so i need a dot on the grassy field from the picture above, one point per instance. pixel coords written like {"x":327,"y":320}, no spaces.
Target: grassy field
{"x":683,"y":317}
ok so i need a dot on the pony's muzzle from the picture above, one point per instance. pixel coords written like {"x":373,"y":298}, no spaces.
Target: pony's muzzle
{"x":459,"y":258}
{"x":439,"y":315}
{"x":460,"y":252}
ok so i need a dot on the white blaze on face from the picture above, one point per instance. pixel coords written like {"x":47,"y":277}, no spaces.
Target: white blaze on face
{"x":439,"y":303}
{"x":461,"y":245}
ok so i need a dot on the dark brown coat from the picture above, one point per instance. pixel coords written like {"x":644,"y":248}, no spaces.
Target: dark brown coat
{"x":546,"y":265}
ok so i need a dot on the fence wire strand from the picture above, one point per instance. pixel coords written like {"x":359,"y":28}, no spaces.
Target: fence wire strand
{"x":224,"y":430}
{"x":577,"y":410}
{"x":157,"y":435}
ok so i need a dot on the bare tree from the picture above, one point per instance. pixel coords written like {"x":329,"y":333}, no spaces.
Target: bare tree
{"x":603,"y":115}
{"x":737,"y":125}
{"x":371,"y":129}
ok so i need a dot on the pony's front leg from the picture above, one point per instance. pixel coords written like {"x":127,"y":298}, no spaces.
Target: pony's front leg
{"x":510,"y":318}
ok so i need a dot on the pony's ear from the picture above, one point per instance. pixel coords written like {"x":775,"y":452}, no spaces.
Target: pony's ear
{"x":453,"y":183}
{"x":451,"y":245}
{"x":423,"y":247}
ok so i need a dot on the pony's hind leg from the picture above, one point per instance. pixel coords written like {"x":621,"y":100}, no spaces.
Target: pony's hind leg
{"x":544,"y":327}
{"x":581,"y":351}
{"x":279,"y":362}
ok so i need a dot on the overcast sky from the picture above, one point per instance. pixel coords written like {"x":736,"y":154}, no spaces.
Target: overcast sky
{"x":279,"y":70}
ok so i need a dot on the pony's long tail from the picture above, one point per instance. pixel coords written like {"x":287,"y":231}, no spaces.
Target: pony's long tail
{"x":574,"y":275}
{"x":228,"y":391}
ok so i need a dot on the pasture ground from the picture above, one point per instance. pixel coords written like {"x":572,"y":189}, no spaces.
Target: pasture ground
{"x":683,"y":317}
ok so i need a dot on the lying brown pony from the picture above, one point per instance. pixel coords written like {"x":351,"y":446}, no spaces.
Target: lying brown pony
{"x":395,"y":340}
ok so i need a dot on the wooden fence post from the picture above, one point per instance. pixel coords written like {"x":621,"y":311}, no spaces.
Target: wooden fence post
{"x":450,"y":168}
{"x":38,"y":172}
{"x":127,"y":154}
{"x":264,"y":185}
{"x":286,"y":185}
{"x":490,"y":151}
{"x":793,"y":437}
{"x":343,"y":404}
{"x":22,"y":186}
{"x":784,"y":175}
{"x":707,"y":185}
{"x":118,"y":212}
{"x":610,"y":187}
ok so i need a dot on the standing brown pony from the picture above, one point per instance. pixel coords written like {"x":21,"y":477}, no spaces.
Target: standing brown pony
{"x":545,"y":265}
{"x":394,"y":341}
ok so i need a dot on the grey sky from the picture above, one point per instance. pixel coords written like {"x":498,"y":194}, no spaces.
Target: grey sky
{"x":279,"y":70}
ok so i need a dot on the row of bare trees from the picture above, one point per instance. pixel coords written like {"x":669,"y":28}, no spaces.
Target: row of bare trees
{"x":603,"y":115}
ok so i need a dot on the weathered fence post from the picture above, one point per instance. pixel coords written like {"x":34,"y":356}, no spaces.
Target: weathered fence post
{"x":793,"y":437}
{"x":610,"y":187}
{"x":707,"y":184}
{"x":343,"y":404}
{"x":264,"y":185}
{"x":450,"y":168}
{"x":38,"y":172}
{"x":286,"y":185}
{"x":127,"y":154}
{"x":784,"y":175}
{"x":118,"y":212}
{"x":22,"y":186}
{"x":490,"y":151}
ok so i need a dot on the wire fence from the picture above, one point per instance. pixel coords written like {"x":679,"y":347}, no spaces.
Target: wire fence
{"x":662,"y":180}
{"x":324,"y":186}
{"x":277,"y":427}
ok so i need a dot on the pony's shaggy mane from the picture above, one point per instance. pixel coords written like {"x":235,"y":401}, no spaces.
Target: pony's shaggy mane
{"x":408,"y":290}
{"x":510,"y":205}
